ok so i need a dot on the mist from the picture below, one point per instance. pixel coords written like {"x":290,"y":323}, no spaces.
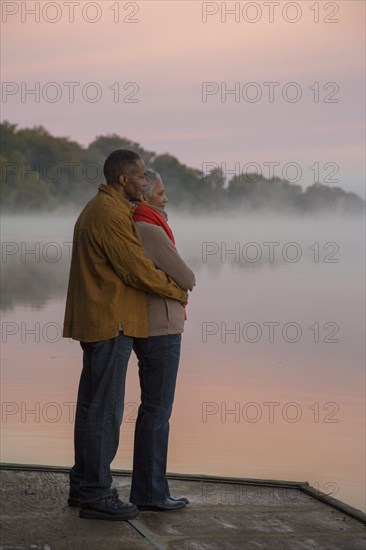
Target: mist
{"x":36,"y":250}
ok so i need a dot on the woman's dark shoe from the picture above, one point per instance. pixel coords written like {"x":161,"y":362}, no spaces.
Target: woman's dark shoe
{"x":169,"y":505}
{"x":110,"y":508}
{"x":183,"y":499}
{"x":74,"y":497}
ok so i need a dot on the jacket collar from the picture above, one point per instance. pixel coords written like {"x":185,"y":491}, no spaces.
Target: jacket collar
{"x":128,"y":206}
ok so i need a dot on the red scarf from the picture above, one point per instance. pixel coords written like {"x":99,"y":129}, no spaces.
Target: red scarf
{"x":144,"y":213}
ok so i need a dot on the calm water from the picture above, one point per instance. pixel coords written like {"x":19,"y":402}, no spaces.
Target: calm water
{"x":272,"y":374}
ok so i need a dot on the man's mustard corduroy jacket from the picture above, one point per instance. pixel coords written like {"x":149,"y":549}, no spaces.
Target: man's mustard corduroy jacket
{"x":110,"y":274}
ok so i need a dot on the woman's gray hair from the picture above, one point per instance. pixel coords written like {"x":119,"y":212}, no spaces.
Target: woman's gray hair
{"x":151,"y":177}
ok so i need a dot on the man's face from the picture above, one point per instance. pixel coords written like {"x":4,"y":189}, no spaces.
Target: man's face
{"x":134,"y":183}
{"x":158,"y":196}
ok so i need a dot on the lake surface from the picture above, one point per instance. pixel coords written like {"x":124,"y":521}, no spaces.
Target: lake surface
{"x":272,"y":374}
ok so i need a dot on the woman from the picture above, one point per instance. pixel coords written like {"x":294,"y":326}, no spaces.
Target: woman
{"x":158,"y":355}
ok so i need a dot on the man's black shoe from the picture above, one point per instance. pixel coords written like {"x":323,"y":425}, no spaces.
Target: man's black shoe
{"x":110,"y":508}
{"x":74,"y":497}
{"x":169,"y":505}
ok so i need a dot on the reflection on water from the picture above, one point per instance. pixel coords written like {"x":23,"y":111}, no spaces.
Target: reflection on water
{"x":272,"y":372}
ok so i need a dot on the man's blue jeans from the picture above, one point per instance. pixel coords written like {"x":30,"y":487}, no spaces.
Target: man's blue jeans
{"x":99,"y":415}
{"x":158,"y":359}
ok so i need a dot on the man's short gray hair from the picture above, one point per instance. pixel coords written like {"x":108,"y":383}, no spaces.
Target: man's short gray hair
{"x":151,"y":177}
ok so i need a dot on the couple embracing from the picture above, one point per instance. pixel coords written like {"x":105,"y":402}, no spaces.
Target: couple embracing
{"x":127,"y":291}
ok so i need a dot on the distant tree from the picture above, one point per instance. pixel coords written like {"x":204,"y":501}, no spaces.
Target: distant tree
{"x":40,"y":171}
{"x":102,"y":146}
{"x":213,"y":189}
{"x":320,"y":197}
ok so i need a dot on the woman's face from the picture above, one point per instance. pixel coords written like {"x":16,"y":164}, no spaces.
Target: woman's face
{"x":158,"y":197}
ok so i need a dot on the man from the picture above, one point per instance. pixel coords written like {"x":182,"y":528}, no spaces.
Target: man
{"x":158,"y":355}
{"x":106,"y":307}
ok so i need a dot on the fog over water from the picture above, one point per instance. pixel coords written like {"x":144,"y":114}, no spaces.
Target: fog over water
{"x":272,"y":374}
{"x":41,"y":247}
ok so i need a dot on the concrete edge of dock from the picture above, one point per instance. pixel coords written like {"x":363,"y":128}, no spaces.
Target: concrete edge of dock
{"x":204,"y":478}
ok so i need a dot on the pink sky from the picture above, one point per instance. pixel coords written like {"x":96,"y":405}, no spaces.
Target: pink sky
{"x":169,"y":52}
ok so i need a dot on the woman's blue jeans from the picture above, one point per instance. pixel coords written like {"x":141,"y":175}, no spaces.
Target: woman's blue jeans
{"x":99,"y":413}
{"x":158,"y":360}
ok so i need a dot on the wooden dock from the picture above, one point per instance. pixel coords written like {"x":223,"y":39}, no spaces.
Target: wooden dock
{"x":224,"y":514}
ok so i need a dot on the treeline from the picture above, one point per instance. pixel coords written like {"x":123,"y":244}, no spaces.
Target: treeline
{"x":43,"y":172}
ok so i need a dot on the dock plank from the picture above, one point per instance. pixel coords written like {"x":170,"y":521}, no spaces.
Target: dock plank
{"x":221,"y":516}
